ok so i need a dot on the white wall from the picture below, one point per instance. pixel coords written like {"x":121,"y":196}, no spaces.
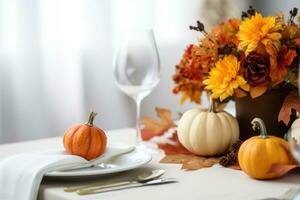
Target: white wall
{"x":269,"y":7}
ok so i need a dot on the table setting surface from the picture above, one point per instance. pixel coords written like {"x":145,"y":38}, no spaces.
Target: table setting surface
{"x":216,"y":182}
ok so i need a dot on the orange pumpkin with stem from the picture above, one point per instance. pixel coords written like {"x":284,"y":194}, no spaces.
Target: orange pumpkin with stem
{"x":85,"y":140}
{"x":258,"y":154}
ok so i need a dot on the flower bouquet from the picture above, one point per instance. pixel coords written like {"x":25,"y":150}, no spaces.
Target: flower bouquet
{"x":246,"y":60}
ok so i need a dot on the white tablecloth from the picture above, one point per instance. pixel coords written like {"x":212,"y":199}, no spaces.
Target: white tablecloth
{"x":211,"y":183}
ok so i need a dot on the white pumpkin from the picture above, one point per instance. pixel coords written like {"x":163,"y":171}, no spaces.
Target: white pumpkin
{"x":207,"y":133}
{"x":295,"y":130}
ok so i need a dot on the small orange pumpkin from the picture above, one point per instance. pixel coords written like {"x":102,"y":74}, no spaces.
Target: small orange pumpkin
{"x":257,"y":154}
{"x":85,"y":140}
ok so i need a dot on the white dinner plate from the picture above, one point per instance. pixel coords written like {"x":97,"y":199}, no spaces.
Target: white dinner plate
{"x":132,"y":160}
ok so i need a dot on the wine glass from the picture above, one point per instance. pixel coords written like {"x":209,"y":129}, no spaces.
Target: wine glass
{"x":137,"y":68}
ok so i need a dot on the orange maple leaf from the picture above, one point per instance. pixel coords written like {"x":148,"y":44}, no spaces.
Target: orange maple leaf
{"x":171,"y":149}
{"x":281,"y":169}
{"x":291,"y":101}
{"x":190,"y":162}
{"x":158,"y":127}
{"x":175,"y":148}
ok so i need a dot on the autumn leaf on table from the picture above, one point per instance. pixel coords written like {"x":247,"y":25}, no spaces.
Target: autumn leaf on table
{"x":190,"y":162}
{"x":291,"y":102}
{"x":178,"y":154}
{"x":157,"y":127}
{"x":281,"y":169}
{"x":175,"y":147}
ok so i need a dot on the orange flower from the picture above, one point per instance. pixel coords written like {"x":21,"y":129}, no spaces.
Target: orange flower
{"x":259,"y":30}
{"x":225,"y":78}
{"x":226,"y":31}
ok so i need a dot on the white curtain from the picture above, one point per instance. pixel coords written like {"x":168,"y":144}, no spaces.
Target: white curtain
{"x":56,"y":61}
{"x":41,"y":83}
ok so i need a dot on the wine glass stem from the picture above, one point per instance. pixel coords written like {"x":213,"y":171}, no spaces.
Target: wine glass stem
{"x":138,"y":112}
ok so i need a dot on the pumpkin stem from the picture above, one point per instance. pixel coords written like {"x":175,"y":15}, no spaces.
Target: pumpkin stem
{"x":258,"y":124}
{"x":91,"y":119}
{"x":212,"y":105}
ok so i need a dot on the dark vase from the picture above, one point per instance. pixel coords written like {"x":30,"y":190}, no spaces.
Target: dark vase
{"x":266,"y":107}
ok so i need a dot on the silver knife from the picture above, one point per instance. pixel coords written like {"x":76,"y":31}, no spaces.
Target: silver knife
{"x":100,"y":189}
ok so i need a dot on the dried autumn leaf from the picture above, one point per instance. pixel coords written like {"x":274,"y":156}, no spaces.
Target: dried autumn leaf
{"x":289,"y":31}
{"x":280,"y":62}
{"x":239,"y":93}
{"x":281,"y":169}
{"x":261,"y":49}
{"x":157,"y":127}
{"x":235,"y":167}
{"x":190,"y":162}
{"x":297,"y":41}
{"x":170,"y":149}
{"x":176,"y":158}
{"x":292,"y":78}
{"x":277,"y":72}
{"x":195,"y":164}
{"x":257,"y":91}
{"x":175,"y":148}
{"x":272,"y":51}
{"x":289,"y":57}
{"x":184,"y":97}
{"x":291,"y":101}
{"x":196,"y":96}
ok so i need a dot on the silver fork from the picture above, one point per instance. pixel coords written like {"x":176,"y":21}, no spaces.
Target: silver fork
{"x":100,"y":189}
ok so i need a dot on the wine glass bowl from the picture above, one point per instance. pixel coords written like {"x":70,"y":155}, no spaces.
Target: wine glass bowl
{"x":137,"y":67}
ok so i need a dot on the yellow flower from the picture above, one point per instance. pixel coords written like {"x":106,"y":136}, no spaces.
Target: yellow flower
{"x":224,"y":78}
{"x":259,"y":30}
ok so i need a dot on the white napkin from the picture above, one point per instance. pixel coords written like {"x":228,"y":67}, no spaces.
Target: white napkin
{"x":21,"y":175}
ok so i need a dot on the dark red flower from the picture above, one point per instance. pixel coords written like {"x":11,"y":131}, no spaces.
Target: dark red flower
{"x":257,"y":69}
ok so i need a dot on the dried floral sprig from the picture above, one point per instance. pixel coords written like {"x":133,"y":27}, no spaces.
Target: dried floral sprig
{"x":226,"y":50}
{"x":199,"y":27}
{"x":293,"y":14}
{"x":250,"y":12}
